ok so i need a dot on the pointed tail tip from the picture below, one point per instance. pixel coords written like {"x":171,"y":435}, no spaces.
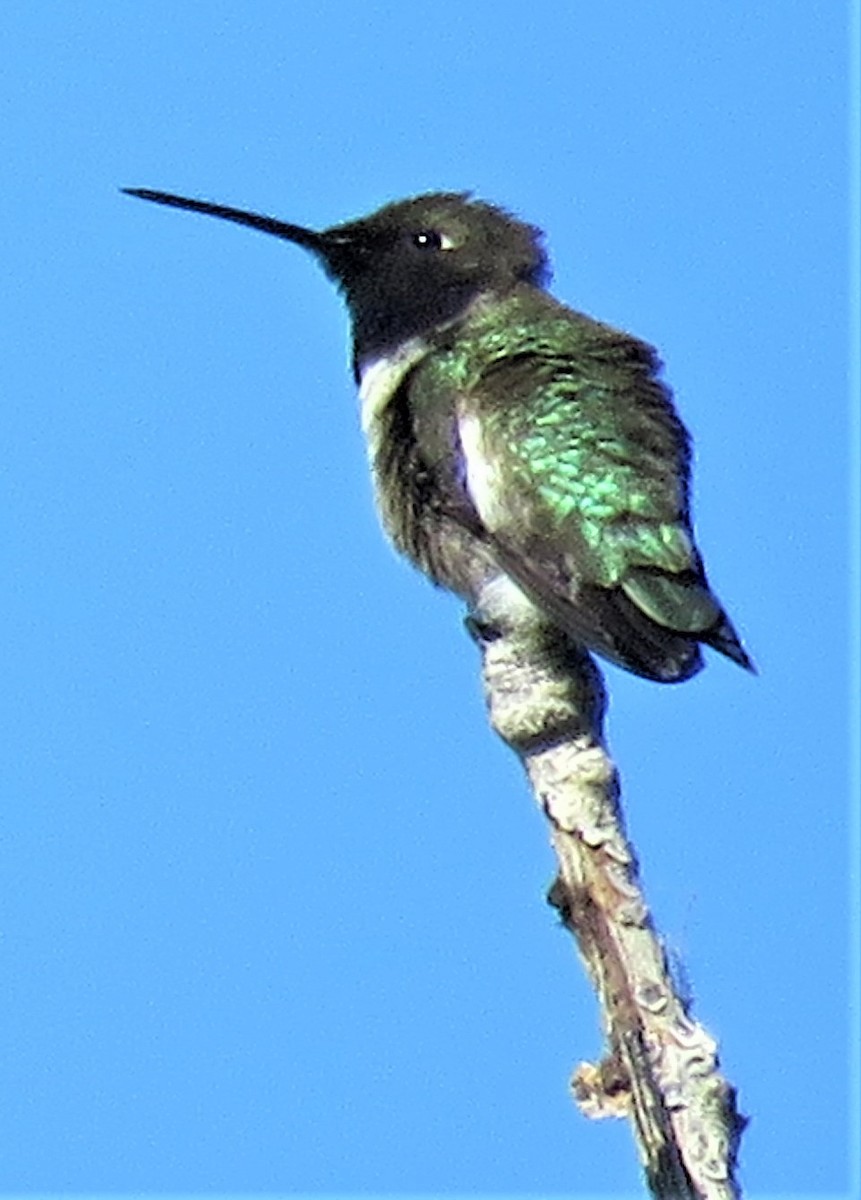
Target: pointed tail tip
{"x":750,"y":665}
{"x":728,"y":643}
{"x":739,"y":655}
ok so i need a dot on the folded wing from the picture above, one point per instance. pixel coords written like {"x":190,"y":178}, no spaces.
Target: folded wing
{"x":578,"y":468}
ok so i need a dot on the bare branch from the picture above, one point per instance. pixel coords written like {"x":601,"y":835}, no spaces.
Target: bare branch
{"x":547,"y":701}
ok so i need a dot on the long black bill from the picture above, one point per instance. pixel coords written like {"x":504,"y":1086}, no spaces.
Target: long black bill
{"x":290,"y":233}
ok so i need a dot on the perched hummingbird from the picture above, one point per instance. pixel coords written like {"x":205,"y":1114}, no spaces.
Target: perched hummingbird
{"x":525,"y":456}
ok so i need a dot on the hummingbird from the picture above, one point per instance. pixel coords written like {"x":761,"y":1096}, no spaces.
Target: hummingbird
{"x":524,"y":455}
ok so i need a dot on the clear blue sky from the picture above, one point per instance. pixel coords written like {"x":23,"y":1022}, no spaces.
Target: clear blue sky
{"x":271,"y":913}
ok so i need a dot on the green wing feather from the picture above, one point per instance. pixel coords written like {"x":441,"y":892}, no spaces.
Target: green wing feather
{"x":588,"y":451}
{"x":578,"y":468}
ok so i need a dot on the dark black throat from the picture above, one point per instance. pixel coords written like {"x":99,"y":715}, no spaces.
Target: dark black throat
{"x":384,"y":315}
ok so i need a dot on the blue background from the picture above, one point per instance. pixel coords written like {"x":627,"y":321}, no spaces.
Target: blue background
{"x":272,"y":894}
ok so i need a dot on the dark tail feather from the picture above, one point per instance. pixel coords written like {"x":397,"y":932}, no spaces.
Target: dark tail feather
{"x":629,"y":637}
{"x":682,"y":604}
{"x":608,"y":622}
{"x":724,"y":638}
{"x":641,"y":645}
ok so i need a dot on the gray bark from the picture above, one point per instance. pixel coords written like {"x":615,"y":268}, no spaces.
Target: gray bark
{"x":546,"y":699}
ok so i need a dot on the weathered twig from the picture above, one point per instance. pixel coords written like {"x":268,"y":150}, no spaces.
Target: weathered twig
{"x":547,"y":701}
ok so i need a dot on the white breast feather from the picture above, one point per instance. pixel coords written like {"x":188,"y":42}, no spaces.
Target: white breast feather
{"x":380,"y":378}
{"x":481,"y":473}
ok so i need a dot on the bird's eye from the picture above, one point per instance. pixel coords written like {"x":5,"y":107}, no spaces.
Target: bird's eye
{"x":432,"y":239}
